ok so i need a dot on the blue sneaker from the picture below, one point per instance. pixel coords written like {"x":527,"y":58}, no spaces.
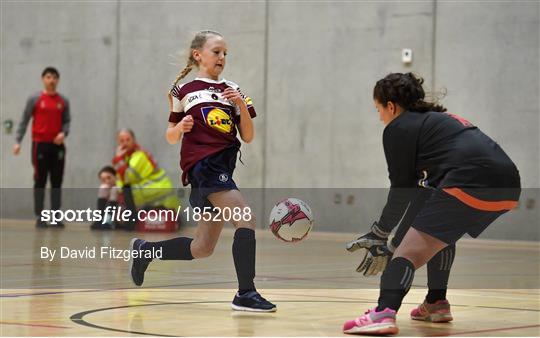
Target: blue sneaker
{"x":252,"y":301}
{"x":137,"y":266}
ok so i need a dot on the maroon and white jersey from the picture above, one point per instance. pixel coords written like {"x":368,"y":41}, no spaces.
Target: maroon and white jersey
{"x":215,"y":119}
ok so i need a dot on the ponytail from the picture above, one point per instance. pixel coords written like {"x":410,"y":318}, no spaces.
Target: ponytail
{"x":183,"y":73}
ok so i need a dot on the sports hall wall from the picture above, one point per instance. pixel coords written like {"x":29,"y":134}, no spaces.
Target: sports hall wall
{"x":310,"y":69}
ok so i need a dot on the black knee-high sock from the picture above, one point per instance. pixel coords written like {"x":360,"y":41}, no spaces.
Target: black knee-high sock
{"x":243,"y":250}
{"x":178,"y":248}
{"x":396,"y":281}
{"x":438,"y":272}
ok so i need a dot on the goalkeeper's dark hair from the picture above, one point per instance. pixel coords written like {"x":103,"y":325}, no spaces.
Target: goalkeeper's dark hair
{"x":406,"y":91}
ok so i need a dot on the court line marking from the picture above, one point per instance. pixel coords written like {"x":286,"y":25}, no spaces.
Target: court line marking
{"x":484,"y":331}
{"x":78,"y":317}
{"x":374,"y":302}
{"x":215,"y":272}
{"x":37,"y":325}
{"x":48,"y":293}
{"x":101,"y":290}
{"x":370,"y":301}
{"x":198,"y":283}
{"x":298,"y":295}
{"x":342,"y":279}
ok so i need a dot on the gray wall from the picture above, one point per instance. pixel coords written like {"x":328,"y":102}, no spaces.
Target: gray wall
{"x":309,"y":66}
{"x":323,"y":61}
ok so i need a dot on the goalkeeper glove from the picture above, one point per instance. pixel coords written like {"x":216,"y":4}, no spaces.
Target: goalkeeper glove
{"x":377,"y":253}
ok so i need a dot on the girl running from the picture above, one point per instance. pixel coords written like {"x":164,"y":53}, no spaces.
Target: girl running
{"x":206,"y":114}
{"x":471,"y":183}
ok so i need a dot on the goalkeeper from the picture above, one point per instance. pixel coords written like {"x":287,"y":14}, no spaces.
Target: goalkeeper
{"x":447,"y":179}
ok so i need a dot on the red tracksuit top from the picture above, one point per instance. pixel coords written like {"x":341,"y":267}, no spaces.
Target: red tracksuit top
{"x":50,"y":115}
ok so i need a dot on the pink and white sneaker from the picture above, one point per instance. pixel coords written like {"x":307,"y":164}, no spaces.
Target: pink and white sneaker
{"x":373,"y":323}
{"x":438,"y":312}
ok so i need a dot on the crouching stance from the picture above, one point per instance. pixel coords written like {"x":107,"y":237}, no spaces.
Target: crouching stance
{"x":447,"y":179}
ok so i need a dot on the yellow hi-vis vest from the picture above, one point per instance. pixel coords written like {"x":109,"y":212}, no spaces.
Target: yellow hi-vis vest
{"x":150,"y":185}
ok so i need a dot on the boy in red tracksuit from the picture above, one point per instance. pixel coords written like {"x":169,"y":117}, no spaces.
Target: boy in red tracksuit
{"x":50,"y":116}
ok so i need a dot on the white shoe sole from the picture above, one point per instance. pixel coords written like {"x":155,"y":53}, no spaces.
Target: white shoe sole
{"x":248,"y":309}
{"x":378,"y":329}
{"x":435,"y":318}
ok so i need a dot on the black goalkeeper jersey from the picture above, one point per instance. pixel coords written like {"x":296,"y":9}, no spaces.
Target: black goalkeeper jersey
{"x":442,"y":150}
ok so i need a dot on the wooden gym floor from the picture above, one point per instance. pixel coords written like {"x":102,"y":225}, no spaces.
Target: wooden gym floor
{"x":494,"y":288}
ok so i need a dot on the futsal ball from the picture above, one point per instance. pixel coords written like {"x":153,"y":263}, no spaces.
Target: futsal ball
{"x":291,"y":220}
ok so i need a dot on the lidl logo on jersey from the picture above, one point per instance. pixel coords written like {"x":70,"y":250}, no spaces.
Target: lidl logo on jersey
{"x":218,"y":118}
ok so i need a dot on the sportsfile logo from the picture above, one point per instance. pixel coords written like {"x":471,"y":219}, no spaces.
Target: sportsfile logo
{"x":110,"y":214}
{"x":121,"y":214}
